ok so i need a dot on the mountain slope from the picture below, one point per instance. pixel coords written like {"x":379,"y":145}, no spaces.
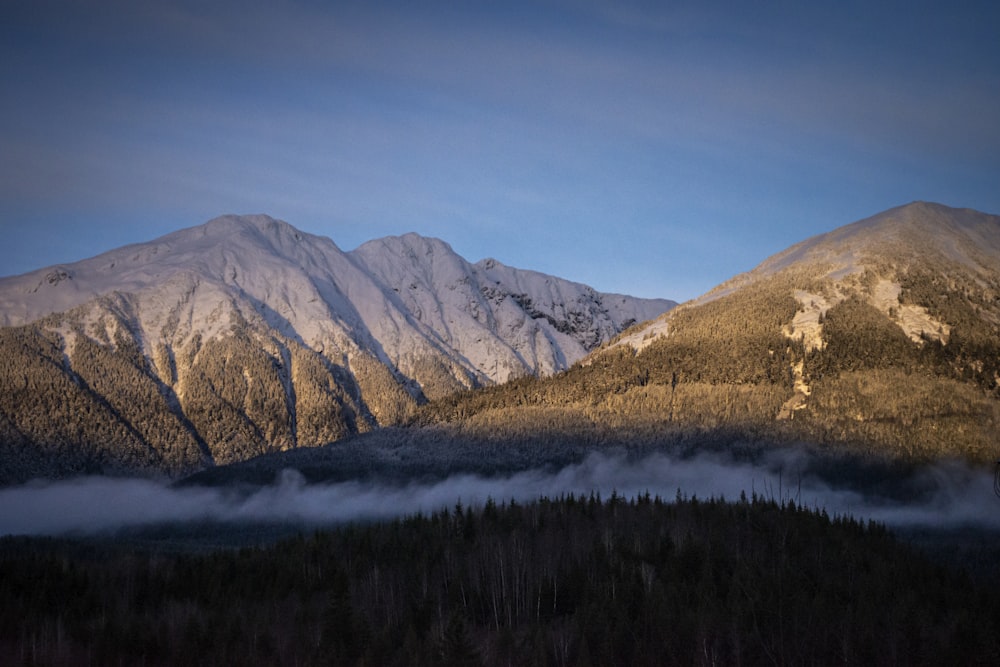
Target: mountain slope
{"x":882,"y":337}
{"x":245,"y":335}
{"x":500,"y":320}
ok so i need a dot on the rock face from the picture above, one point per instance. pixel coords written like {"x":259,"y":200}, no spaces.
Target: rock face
{"x":245,"y":335}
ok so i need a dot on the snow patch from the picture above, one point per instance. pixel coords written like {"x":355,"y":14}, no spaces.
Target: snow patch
{"x":646,"y":336}
{"x":806,"y":325}
{"x":915,"y":321}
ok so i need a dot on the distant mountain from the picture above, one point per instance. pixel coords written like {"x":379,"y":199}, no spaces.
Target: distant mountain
{"x":881,"y":337}
{"x":245,"y":335}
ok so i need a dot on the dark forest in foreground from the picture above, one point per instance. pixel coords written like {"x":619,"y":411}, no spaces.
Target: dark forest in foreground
{"x":574,"y":581}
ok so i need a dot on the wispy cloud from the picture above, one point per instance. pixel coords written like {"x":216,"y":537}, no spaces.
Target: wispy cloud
{"x":470,"y":120}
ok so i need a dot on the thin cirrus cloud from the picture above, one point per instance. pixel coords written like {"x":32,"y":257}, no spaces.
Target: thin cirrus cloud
{"x":506,"y":130}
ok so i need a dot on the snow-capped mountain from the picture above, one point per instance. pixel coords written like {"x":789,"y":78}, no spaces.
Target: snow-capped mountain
{"x":876,"y":342}
{"x":501,"y":321}
{"x":245,"y":335}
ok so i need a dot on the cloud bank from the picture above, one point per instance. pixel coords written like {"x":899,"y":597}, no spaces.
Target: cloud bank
{"x":951,"y":495}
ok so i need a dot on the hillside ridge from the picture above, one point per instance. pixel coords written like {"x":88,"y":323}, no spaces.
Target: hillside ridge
{"x":879,"y":338}
{"x":246,"y":335}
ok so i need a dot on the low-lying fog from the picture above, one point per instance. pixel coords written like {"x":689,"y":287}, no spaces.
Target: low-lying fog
{"x":950,"y":495}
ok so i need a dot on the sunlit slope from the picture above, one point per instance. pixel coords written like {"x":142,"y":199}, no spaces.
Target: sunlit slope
{"x":244,"y":336}
{"x":881,"y":337}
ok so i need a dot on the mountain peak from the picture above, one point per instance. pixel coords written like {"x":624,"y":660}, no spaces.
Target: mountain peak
{"x":231,"y":220}
{"x":259,"y":228}
{"x":920,"y":231}
{"x":245,"y":335}
{"x":408,"y":243}
{"x":873,"y":259}
{"x":230,"y":224}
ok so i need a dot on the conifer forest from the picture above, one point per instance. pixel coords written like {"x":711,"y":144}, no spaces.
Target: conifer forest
{"x":567,"y":581}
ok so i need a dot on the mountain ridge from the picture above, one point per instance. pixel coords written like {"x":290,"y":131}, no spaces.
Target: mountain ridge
{"x":245,"y":335}
{"x":881,"y":337}
{"x":893,"y":235}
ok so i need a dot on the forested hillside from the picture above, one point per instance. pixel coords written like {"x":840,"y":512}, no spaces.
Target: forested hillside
{"x":879,"y":339}
{"x":245,"y":336}
{"x":573,"y":581}
{"x":882,"y":338}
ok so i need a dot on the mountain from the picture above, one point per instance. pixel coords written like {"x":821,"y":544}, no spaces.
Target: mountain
{"x":245,"y":335}
{"x":880,"y":338}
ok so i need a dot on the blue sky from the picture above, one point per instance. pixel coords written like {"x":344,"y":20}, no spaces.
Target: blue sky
{"x":652,"y":148}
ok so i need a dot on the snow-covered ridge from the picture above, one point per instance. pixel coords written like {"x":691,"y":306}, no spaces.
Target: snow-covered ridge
{"x":402,"y":299}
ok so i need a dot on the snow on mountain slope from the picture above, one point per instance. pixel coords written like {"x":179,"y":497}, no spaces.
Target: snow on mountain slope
{"x":253,"y":335}
{"x":401,"y":297}
{"x":245,"y":335}
{"x":934,"y":231}
{"x":502,"y":321}
{"x":956,"y":244}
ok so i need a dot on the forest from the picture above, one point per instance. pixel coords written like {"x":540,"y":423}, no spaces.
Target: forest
{"x":563,"y":581}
